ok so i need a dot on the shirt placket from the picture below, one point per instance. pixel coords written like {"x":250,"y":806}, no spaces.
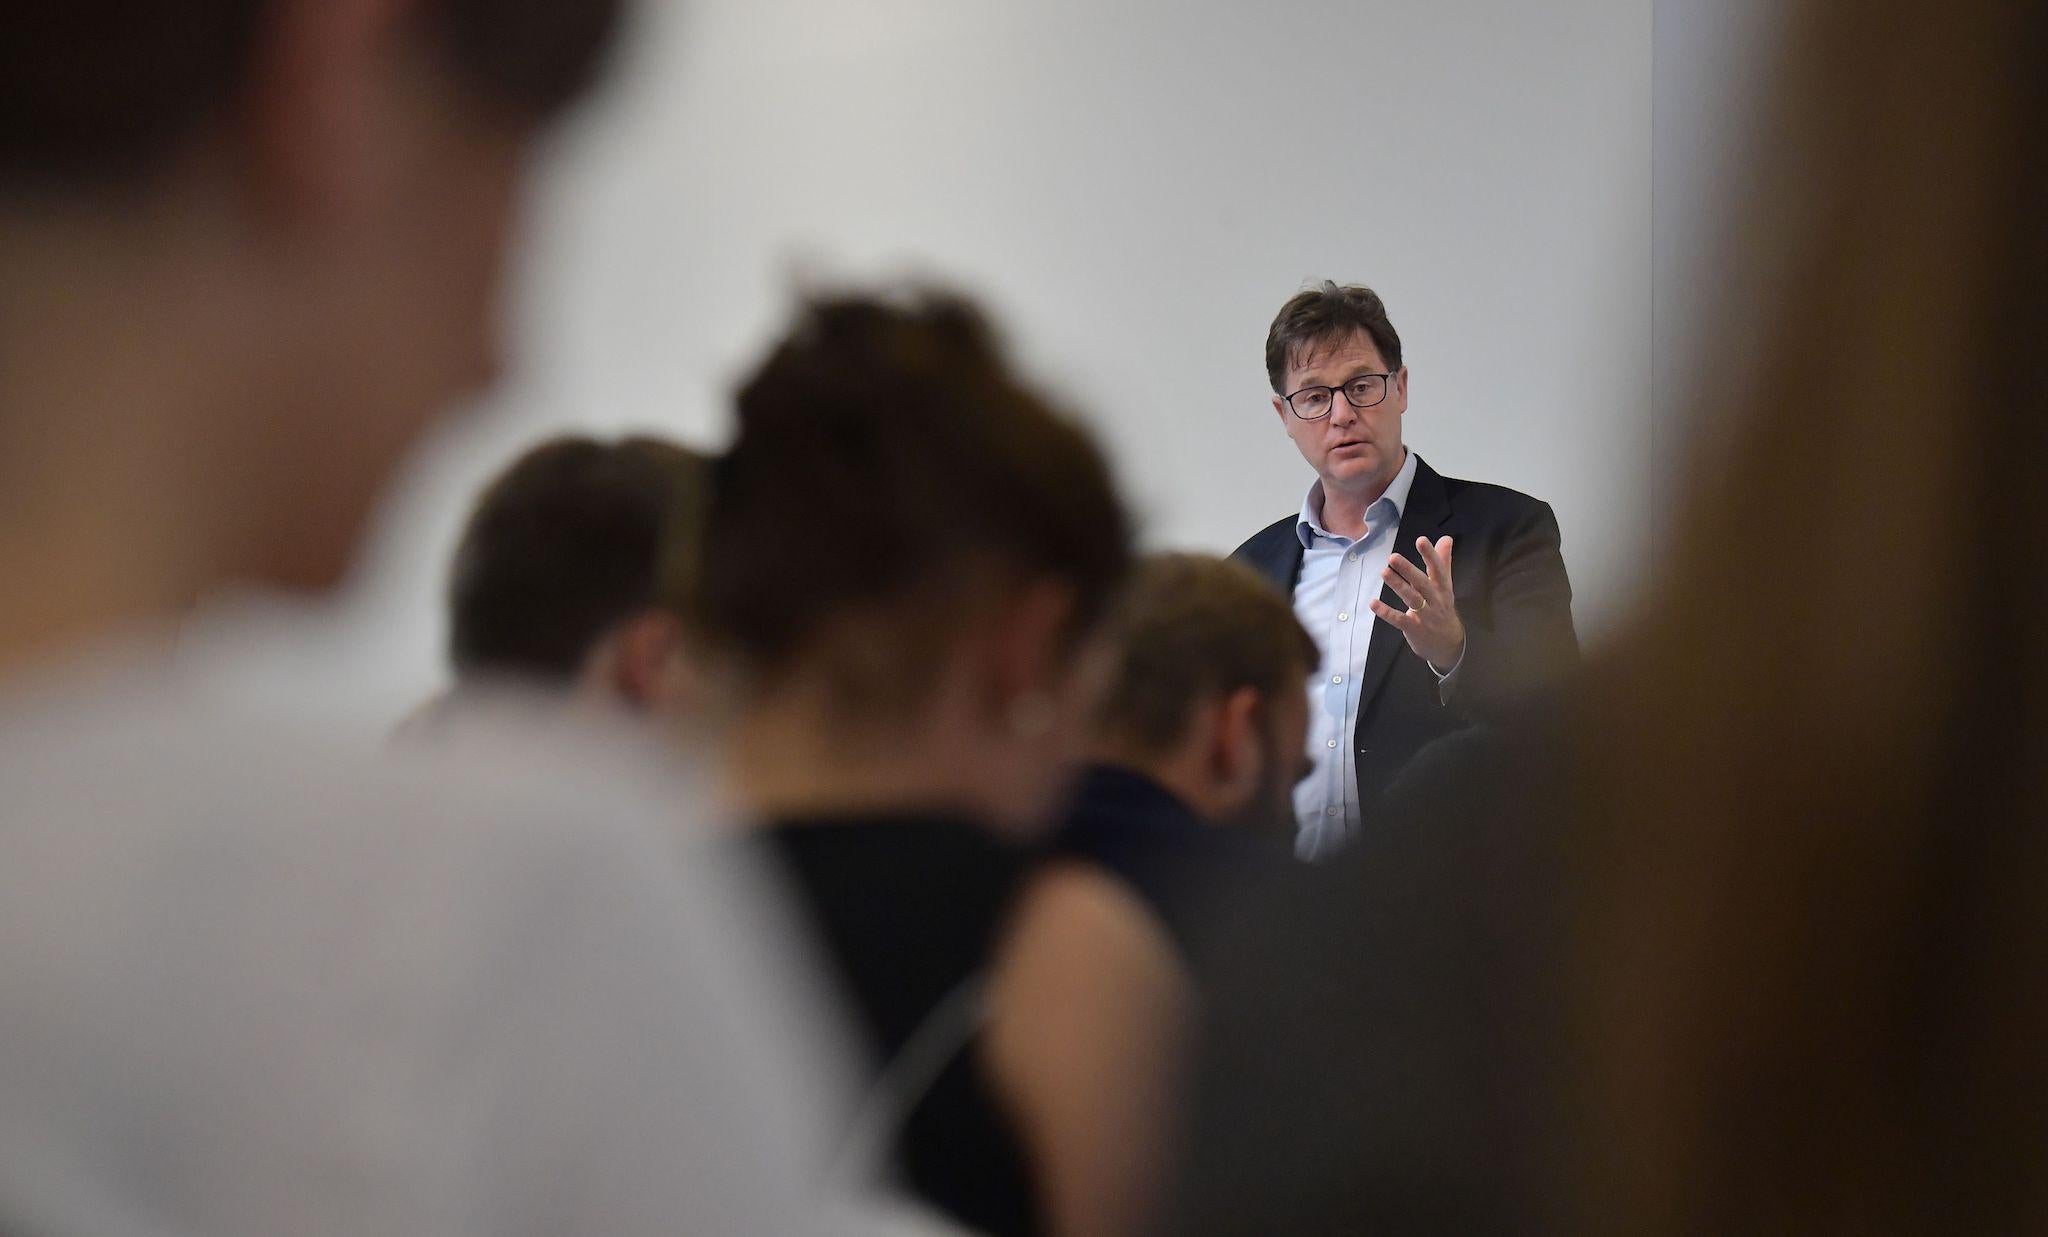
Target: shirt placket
{"x":1343,"y":687}
{"x":1352,"y":599}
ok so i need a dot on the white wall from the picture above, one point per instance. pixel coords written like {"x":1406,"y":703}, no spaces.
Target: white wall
{"x":1123,"y":181}
{"x":1714,"y":60}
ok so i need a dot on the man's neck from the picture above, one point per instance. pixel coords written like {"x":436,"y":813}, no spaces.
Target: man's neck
{"x":113,"y":514}
{"x":789,"y":757}
{"x":76,"y":578}
{"x":1171,"y":772}
{"x":1344,"y":509}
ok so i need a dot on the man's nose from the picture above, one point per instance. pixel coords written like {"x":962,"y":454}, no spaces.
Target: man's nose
{"x":1341,"y":411}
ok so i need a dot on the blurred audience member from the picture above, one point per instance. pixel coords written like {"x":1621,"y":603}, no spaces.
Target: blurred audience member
{"x":255,"y":986}
{"x":1198,"y":742}
{"x":1753,"y":939}
{"x":557,"y":582}
{"x":913,"y":691}
{"x":1376,"y":537}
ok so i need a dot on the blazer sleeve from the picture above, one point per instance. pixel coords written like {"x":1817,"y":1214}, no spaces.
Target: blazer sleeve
{"x":1521,"y":639}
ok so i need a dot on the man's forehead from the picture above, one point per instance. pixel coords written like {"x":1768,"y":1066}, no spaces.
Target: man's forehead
{"x":1335,"y":352}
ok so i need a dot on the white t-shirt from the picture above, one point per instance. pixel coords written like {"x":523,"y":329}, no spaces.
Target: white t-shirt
{"x":252,"y":987}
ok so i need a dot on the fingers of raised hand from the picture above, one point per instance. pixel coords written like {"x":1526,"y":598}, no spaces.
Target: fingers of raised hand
{"x":1404,"y":620}
{"x":1437,"y":558}
{"x":1409,"y":586}
{"x":1401,"y":570}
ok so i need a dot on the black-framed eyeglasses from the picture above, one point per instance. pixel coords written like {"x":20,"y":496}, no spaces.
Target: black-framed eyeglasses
{"x":1314,"y":403}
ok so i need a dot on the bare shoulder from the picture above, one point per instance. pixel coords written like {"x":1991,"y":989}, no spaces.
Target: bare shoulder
{"x":1085,"y":1044}
{"x":1075,"y":919}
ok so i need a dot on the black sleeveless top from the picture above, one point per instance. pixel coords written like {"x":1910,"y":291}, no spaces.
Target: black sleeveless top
{"x":908,"y":909}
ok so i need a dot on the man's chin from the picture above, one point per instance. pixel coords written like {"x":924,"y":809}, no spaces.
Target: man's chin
{"x":1351,"y":468}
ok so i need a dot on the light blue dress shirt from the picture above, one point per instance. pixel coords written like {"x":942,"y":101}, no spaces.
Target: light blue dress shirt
{"x":1339,"y":577}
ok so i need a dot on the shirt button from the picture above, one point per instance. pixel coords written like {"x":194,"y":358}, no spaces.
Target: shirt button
{"x":1336,"y":678}
{"x":1329,"y":811}
{"x":1343,"y":616}
{"x":1333,"y":743}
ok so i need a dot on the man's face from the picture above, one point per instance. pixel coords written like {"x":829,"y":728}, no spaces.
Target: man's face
{"x":1270,"y":809}
{"x":1353,"y":450}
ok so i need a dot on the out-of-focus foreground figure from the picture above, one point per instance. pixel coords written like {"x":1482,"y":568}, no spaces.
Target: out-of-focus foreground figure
{"x":1198,"y":743}
{"x":1754,"y":941}
{"x":254,"y":986}
{"x":907,"y":559}
{"x":251,"y":247}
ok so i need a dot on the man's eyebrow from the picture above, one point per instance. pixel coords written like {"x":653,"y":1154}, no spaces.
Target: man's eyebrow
{"x":1363,"y":372}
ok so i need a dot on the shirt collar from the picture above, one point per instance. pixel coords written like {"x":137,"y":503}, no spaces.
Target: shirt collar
{"x":1309,"y":525}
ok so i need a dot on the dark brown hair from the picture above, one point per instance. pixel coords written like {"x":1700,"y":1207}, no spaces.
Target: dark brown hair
{"x":567,"y":543}
{"x":1328,"y":314}
{"x":1191,"y":627}
{"x":888,"y":462}
{"x":100,"y":90}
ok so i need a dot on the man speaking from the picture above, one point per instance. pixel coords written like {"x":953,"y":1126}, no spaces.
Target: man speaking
{"x":1466,"y":580}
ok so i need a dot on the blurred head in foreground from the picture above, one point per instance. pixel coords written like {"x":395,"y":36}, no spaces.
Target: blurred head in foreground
{"x":907,"y":555}
{"x":1205,"y":692}
{"x":906,"y":568}
{"x":251,"y":246}
{"x":268,"y":981}
{"x":558,"y":579}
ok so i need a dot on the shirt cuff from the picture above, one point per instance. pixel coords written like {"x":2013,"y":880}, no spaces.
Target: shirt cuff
{"x":1447,"y":680}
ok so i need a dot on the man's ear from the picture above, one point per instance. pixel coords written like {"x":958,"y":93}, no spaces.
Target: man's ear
{"x":1022,"y":645}
{"x":1280,"y":410}
{"x":314,"y":107}
{"x":1237,"y":747}
{"x":641,"y":666}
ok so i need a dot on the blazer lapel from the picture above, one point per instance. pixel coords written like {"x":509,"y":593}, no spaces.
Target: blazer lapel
{"x":1429,"y":506}
{"x":1287,"y":565}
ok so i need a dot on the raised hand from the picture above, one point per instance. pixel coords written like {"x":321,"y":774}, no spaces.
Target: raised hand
{"x":1430,"y":622}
